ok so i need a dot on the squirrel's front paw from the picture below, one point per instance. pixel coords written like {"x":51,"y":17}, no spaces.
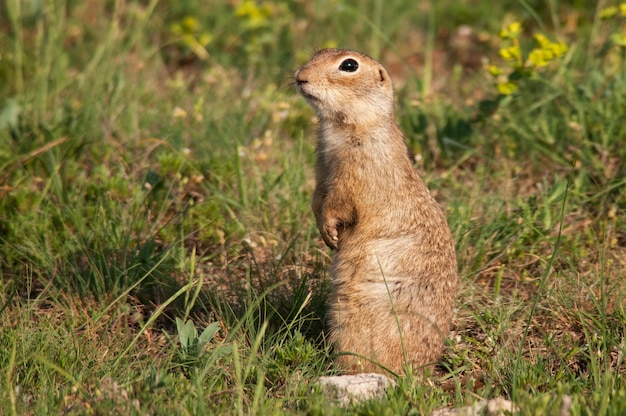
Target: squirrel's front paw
{"x":330,"y":233}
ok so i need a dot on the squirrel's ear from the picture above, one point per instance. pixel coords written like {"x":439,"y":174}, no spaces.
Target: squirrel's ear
{"x":382,"y":75}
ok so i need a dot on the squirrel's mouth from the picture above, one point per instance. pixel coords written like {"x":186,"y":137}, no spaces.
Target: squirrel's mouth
{"x":307,"y":96}
{"x":300,"y":84}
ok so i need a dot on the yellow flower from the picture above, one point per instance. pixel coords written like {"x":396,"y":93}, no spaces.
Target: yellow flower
{"x":507,"y":88}
{"x":190,"y":24}
{"x":511,"y":31}
{"x":512,"y":53}
{"x":540,"y":57}
{"x":541,"y":40}
{"x":622,"y":9}
{"x":186,"y":26}
{"x":254,"y":15}
{"x":608,"y":12}
{"x":494,"y":70}
{"x":205,"y":38}
{"x":558,"y":49}
{"x":189,"y":31}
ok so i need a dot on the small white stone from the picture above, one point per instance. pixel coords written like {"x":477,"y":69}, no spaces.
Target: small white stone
{"x":493,"y":407}
{"x":356,"y":387}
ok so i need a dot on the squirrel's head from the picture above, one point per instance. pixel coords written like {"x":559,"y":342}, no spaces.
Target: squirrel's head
{"x":346,"y":86}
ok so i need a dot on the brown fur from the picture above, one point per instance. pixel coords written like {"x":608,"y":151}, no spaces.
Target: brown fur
{"x":394,"y":266}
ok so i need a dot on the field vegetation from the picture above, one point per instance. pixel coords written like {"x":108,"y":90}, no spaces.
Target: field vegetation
{"x":158,"y":253}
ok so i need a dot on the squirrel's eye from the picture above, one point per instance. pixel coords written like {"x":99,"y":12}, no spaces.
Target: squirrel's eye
{"x":349,"y":65}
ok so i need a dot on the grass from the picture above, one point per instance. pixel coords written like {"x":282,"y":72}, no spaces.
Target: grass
{"x":156,"y":176}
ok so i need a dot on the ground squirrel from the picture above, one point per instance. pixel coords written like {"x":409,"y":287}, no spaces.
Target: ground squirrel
{"x":394,"y":270}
